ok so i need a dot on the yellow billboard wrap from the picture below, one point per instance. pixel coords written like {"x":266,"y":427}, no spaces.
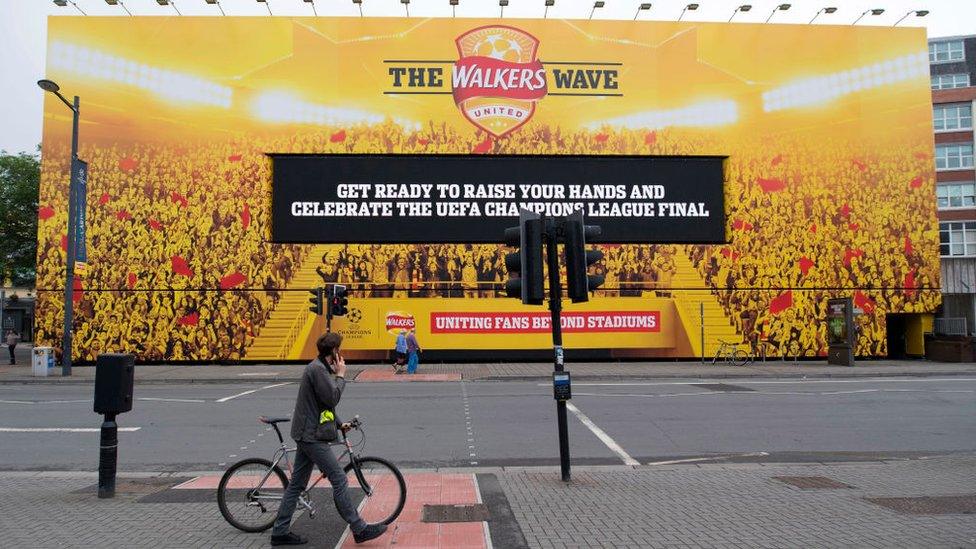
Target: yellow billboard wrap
{"x":828,"y":193}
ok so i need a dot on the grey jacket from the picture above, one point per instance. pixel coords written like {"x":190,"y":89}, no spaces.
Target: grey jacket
{"x":319,"y":391}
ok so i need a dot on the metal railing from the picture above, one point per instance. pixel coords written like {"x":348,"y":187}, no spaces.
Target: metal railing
{"x":951,"y":326}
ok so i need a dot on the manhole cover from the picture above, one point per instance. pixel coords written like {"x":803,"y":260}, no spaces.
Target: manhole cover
{"x":456,"y":513}
{"x":722,"y":387}
{"x":813,"y":483}
{"x":937,"y":505}
{"x":138,"y":486}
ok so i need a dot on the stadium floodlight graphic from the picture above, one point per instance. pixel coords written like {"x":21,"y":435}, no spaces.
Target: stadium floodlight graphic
{"x":282,"y":107}
{"x":822,"y":89}
{"x":169,"y":85}
{"x":706,"y":114}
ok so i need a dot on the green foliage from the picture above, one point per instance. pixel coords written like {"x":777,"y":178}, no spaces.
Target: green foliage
{"x":19,"y":178}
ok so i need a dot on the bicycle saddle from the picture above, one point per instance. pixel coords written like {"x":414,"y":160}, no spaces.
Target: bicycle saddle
{"x":273,"y":420}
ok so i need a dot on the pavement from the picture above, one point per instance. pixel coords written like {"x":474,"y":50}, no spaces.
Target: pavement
{"x":913,"y":503}
{"x":264,"y":373}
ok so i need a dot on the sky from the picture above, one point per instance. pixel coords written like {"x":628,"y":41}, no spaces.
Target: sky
{"x":23,"y":28}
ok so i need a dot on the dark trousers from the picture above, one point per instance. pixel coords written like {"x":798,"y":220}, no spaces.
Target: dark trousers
{"x":320,"y":455}
{"x":11,"y":348}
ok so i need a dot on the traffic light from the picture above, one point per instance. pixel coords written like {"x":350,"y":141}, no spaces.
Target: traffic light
{"x":527,"y":260}
{"x":579,"y":259}
{"x":316,"y":300}
{"x":339,"y":301}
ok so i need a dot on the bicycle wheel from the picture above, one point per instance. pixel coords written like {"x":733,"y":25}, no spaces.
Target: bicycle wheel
{"x":383,"y":487}
{"x":247,"y":504}
{"x":739,"y":357}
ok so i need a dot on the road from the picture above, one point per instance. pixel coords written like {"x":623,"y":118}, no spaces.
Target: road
{"x":207,"y":426}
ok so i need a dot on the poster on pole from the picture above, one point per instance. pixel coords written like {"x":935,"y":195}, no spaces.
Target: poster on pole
{"x":79,"y":171}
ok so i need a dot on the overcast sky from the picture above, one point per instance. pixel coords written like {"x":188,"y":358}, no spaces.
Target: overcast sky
{"x":23,"y":29}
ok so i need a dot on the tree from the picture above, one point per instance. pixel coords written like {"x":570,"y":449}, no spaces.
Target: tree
{"x":19,"y":178}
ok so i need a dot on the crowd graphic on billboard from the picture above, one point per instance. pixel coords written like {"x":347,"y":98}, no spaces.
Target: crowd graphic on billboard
{"x":830,"y":202}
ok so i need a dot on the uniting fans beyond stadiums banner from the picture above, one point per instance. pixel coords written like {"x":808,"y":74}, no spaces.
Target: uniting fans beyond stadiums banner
{"x":815,"y":143}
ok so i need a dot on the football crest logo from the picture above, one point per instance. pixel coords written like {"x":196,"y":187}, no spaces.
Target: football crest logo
{"x":498,"y":78}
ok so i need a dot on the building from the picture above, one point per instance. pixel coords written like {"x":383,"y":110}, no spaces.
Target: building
{"x":953,"y":69}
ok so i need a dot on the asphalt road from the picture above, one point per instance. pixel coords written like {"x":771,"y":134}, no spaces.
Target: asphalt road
{"x":206,"y":427}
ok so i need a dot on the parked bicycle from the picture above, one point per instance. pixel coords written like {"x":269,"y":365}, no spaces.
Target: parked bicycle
{"x":251,"y":490}
{"x":731,"y":354}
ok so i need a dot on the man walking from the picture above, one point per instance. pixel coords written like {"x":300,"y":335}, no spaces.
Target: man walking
{"x":12,"y":339}
{"x":413,"y":350}
{"x":321,"y":387}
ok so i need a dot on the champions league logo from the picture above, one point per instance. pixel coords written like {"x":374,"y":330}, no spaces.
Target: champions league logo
{"x":498,"y":78}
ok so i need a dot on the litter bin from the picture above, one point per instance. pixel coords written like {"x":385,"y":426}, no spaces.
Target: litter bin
{"x":42,"y":361}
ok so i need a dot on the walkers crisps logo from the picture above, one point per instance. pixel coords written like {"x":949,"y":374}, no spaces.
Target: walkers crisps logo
{"x":498,"y":78}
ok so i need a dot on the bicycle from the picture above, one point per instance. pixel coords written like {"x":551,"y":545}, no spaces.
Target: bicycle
{"x":730,"y":352}
{"x":251,"y":490}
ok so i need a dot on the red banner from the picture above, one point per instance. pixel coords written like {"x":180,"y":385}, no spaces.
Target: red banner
{"x":512,"y":323}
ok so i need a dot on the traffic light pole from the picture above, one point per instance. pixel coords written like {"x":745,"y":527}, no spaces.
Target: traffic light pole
{"x":555,"y":308}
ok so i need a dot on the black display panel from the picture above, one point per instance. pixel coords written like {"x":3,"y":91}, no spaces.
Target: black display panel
{"x":347,"y":198}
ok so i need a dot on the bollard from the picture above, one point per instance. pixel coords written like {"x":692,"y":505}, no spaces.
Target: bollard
{"x":108,"y":457}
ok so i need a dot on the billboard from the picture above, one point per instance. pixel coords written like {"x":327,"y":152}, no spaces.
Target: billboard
{"x":826,"y":191}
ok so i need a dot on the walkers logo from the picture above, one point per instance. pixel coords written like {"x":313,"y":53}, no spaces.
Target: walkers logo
{"x":498,"y":78}
{"x":399,"y":320}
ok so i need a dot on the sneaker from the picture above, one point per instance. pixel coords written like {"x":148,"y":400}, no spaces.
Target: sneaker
{"x":290,"y":538}
{"x":372,"y":531}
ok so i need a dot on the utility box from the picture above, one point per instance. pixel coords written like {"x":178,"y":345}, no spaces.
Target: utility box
{"x":42,"y":361}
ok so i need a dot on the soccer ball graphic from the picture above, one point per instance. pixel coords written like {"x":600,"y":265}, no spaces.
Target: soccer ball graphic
{"x":354,"y":316}
{"x":498,"y":47}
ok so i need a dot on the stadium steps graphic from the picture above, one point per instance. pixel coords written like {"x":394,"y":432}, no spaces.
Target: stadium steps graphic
{"x":291,"y":319}
{"x":718,"y":326}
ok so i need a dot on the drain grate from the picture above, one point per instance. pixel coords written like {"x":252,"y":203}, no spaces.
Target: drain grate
{"x":813,"y":483}
{"x":723,"y":387}
{"x":929,"y":505}
{"x":456,"y":513}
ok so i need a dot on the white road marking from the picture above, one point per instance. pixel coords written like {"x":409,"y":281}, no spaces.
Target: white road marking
{"x":600,"y":434}
{"x":44,"y":401}
{"x":258,"y":374}
{"x":714,"y":458}
{"x":170,"y":399}
{"x":62,"y":429}
{"x":232,"y":397}
{"x":771,"y":393}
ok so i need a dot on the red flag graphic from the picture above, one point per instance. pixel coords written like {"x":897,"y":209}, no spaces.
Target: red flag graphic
{"x":845,"y":210}
{"x":776,"y":160}
{"x":130,"y":280}
{"x":122,"y":215}
{"x":79,"y":290}
{"x":177,"y":197}
{"x":601,"y":137}
{"x":781,"y":302}
{"x":908,"y":245}
{"x":103,"y":200}
{"x":231,"y":280}
{"x":338,"y":136}
{"x":484,"y":147}
{"x":235,"y":157}
{"x":45,"y":212}
{"x":64,"y":242}
{"x":190,"y":319}
{"x":910,"y":284}
{"x":771,"y":185}
{"x":813,"y":228}
{"x":650,"y":138}
{"x":180,"y":266}
{"x":854,"y":226}
{"x":864,"y":302}
{"x":128,"y":164}
{"x":740,"y":225}
{"x":729,"y":253}
{"x":850,"y":254}
{"x":805,"y":264}
{"x":916,"y":183}
{"x":246,"y":216}
{"x":860,"y":165}
{"x":155,"y":225}
{"x":423,"y":141}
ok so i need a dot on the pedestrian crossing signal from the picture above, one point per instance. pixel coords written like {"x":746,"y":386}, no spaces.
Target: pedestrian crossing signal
{"x":316,"y":300}
{"x":340,"y":300}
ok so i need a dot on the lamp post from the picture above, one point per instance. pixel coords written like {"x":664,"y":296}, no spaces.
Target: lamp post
{"x":743,"y":8}
{"x":643,"y":7}
{"x":69,"y":284}
{"x":597,"y":4}
{"x":781,"y":7}
{"x":501,"y":8}
{"x":549,"y":4}
{"x":822,"y":10}
{"x":918,"y":13}
{"x":875,"y":11}
{"x":689,"y":7}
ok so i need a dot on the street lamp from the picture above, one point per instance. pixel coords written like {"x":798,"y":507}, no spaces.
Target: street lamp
{"x":312,"y":3}
{"x":743,"y":8}
{"x":118,"y":3}
{"x":69,"y":285}
{"x":598,"y":4}
{"x":643,"y":7}
{"x":822,"y":10}
{"x":212,"y":2}
{"x":64,"y":3}
{"x":169,"y":3}
{"x":549,"y":4}
{"x":875,"y":11}
{"x":501,"y":8}
{"x":360,"y":4}
{"x":406,"y":6}
{"x":689,"y":7}
{"x":265,"y":2}
{"x":918,"y":13}
{"x":454,"y":4}
{"x":781,"y":7}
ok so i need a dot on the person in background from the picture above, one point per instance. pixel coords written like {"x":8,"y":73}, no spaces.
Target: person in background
{"x":12,"y":339}
{"x":400,"y":352}
{"x":413,"y":351}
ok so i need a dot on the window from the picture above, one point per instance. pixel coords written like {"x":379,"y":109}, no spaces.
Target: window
{"x":957,"y":239}
{"x":943,"y":52}
{"x":956,"y":195}
{"x":952,"y":156}
{"x":949,"y":81}
{"x":957,"y":116}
